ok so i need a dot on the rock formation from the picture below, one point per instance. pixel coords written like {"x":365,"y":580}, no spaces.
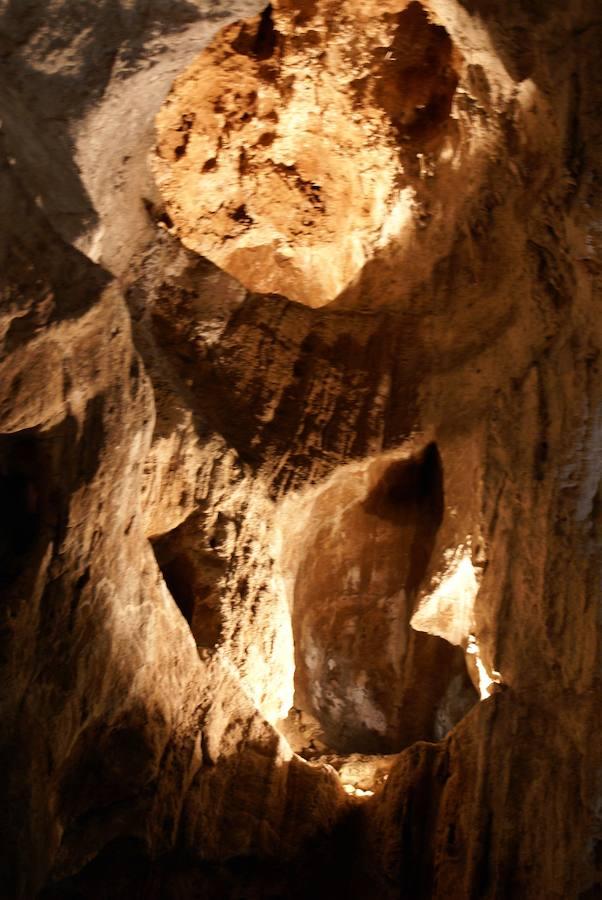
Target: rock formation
{"x":300,"y":451}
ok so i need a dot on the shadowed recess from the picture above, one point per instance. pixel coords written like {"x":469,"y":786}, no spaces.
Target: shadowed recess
{"x":371,"y":682}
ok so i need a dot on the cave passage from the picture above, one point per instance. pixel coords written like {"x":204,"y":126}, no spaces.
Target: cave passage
{"x":192,"y":573}
{"x":364,"y":680}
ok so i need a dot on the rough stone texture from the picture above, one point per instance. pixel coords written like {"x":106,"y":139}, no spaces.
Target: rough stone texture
{"x":306,"y":142}
{"x":371,"y":682}
{"x":203,"y":485}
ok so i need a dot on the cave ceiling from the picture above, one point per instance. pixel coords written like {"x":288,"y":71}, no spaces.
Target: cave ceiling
{"x":300,"y":449}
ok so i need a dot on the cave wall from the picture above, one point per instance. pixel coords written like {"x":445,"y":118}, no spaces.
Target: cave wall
{"x":181,"y":456}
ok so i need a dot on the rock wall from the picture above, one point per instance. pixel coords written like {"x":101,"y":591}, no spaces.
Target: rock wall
{"x":320,"y":488}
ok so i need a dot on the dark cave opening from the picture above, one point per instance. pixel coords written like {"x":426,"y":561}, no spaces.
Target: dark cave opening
{"x":364,"y":679}
{"x":417,"y":76}
{"x":20,"y":500}
{"x":260,"y":41}
{"x":178,"y":573}
{"x":192,"y":573}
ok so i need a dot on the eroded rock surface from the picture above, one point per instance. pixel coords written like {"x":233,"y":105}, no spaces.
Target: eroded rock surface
{"x":302,"y":143}
{"x":220,"y":505}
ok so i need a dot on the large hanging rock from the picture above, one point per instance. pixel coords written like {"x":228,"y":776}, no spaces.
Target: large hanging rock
{"x":219,"y":503}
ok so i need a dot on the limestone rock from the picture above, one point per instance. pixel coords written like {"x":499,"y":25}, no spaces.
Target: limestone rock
{"x":276,"y":516}
{"x":304,"y":143}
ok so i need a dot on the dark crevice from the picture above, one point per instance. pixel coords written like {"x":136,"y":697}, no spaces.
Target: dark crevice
{"x":24,"y":464}
{"x":416,"y":76}
{"x":192,"y":568}
{"x":265,"y":41}
{"x":431,"y":499}
{"x":261,"y":43}
{"x":365,"y":681}
{"x":179,"y":578}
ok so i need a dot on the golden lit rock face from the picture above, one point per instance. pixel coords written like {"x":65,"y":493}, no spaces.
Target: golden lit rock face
{"x":295,"y":148}
{"x":356,"y":554}
{"x":217,"y":504}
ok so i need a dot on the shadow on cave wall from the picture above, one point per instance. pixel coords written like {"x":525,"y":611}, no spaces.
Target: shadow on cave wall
{"x":22,"y":500}
{"x":42,"y":95}
{"x":343,"y":356}
{"x":46,"y":94}
{"x":514,"y":41}
{"x":417,"y":79}
{"x":261,"y":384}
{"x":414,"y":484}
{"x":192,"y":569}
{"x":328,"y":867}
{"x":39,"y":470}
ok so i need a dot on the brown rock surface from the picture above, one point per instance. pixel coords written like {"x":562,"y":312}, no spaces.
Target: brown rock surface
{"x":305,"y":142}
{"x":235,"y":525}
